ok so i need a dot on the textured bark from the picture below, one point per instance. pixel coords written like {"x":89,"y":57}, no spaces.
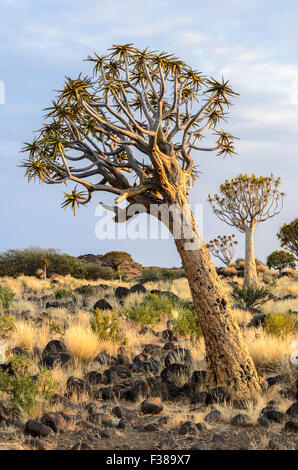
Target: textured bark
{"x":250,"y":270}
{"x":228,"y":361}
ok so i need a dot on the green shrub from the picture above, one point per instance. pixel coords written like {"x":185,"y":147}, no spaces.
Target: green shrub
{"x":152,"y":308}
{"x":22,"y":389}
{"x":281,"y":324}
{"x":187,"y":324}
{"x":64,"y":293}
{"x":56,"y":328}
{"x":151,"y":274}
{"x":106,"y":326}
{"x":96,"y":271}
{"x":6,"y":297}
{"x":29,"y":260}
{"x":251,"y":297}
{"x":7,"y":324}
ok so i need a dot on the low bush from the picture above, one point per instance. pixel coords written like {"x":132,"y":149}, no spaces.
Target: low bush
{"x":251,"y":297}
{"x":281,"y":324}
{"x":187,"y":324}
{"x":152,"y":308}
{"x":7,"y":324}
{"x":22,"y":389}
{"x":6,"y":297}
{"x":29,"y":260}
{"x":106,"y":326}
{"x":95,"y":271}
{"x":65,"y":293}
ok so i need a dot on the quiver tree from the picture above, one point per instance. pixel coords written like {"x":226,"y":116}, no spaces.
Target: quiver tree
{"x":288,"y":237}
{"x":131,"y":131}
{"x":280,"y":259}
{"x":223,"y":248}
{"x":45,"y":264}
{"x":243,"y":203}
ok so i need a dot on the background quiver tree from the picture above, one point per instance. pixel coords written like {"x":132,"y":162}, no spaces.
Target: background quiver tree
{"x":243,"y":203}
{"x":223,"y":248}
{"x":288,"y":237}
{"x":131,"y":131}
{"x":280,"y":259}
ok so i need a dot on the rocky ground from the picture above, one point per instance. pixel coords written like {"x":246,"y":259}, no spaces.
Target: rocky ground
{"x":145,"y":395}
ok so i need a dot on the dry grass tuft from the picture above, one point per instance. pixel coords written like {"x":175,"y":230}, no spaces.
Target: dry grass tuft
{"x":82,"y":342}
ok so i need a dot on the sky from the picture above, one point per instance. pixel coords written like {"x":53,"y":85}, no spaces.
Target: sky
{"x":253,"y":44}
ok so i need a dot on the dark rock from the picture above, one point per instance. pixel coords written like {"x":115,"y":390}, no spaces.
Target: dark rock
{"x":54,"y":347}
{"x":274,"y":380}
{"x":188,"y":428}
{"x":152,"y":406}
{"x":168,"y":335}
{"x":147,"y":329}
{"x":293,"y":410}
{"x":37,"y":444}
{"x":199,"y":446}
{"x":63,"y":360}
{"x":102,"y":304}
{"x":151,"y":427}
{"x":264,"y":422}
{"x":198,"y":378}
{"x":175,"y":371}
{"x":218,"y":395}
{"x":81,"y":446}
{"x":168,"y":444}
{"x":37,"y":429}
{"x":122,"y":359}
{"x":276,"y":416}
{"x":78,"y":386}
{"x":169,"y":346}
{"x":201,"y":426}
{"x":138,"y":288}
{"x":121,"y":292}
{"x":105,"y":359}
{"x":275,"y":445}
{"x":55,"y":421}
{"x":94,"y":378}
{"x":218,"y":439}
{"x":214,"y":416}
{"x":178,"y":355}
{"x":199,"y":398}
{"x":124,"y":413}
{"x":19,"y":352}
{"x":291,"y":426}
{"x":5,"y":415}
{"x":240,"y":420}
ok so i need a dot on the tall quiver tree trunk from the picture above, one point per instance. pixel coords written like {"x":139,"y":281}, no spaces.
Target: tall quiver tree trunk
{"x":228,"y":361}
{"x":250,"y":270}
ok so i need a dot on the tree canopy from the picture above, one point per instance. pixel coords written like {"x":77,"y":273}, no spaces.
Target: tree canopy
{"x":247,"y":200}
{"x":130,"y":129}
{"x":280,"y":259}
{"x":288,"y":236}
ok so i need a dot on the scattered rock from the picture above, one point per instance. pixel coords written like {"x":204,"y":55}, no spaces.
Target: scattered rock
{"x":214,"y":416}
{"x":78,"y":386}
{"x":121,"y":292}
{"x":152,"y":406}
{"x":240,"y":420}
{"x":188,"y":428}
{"x":293,"y":410}
{"x":138,"y":288}
{"x":291,"y":426}
{"x":37,"y":429}
{"x":102,"y":304}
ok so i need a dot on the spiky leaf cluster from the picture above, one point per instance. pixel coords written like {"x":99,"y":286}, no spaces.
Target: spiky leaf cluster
{"x":130,"y":129}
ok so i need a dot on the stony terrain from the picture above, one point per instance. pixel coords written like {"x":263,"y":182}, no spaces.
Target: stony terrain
{"x":144,"y":390}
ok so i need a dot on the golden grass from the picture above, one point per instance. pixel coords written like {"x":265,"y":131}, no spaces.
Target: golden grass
{"x":280,"y":306}
{"x":242,"y":317}
{"x":267,"y":351}
{"x":82,"y":342}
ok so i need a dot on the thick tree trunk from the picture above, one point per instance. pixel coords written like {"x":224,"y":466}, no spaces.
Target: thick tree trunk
{"x":228,"y":361}
{"x":250,"y":270}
